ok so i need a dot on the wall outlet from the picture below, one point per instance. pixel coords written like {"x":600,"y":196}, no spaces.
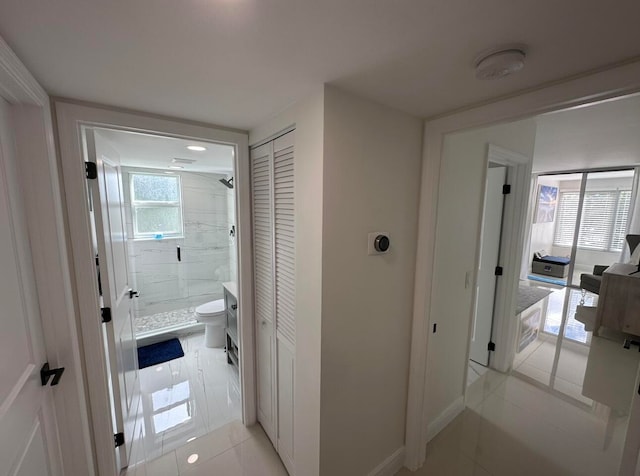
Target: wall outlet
{"x":371,"y":249}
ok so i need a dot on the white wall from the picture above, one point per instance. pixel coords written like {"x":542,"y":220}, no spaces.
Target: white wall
{"x":308,"y":118}
{"x":462,"y":179}
{"x":372,"y":165}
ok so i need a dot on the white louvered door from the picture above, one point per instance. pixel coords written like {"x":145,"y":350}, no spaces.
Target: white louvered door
{"x":262,"y":196}
{"x":283,"y":175}
{"x":272,"y":178}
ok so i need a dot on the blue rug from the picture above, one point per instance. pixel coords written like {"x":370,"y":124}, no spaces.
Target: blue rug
{"x":160,"y":352}
{"x":543,"y":279}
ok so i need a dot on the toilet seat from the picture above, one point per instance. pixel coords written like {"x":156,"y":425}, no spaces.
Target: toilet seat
{"x":211,"y":308}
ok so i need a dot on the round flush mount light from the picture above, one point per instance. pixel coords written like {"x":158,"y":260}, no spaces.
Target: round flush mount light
{"x":500,"y":62}
{"x":196,"y":148}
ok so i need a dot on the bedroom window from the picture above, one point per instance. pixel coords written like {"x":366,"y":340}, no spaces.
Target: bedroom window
{"x":156,"y":206}
{"x":604,"y":219}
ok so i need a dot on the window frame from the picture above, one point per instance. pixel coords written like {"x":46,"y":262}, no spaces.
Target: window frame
{"x":610,"y":237}
{"x":139,"y":204}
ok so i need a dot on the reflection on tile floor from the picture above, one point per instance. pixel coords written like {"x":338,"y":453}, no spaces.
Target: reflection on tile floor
{"x":511,"y":427}
{"x":188,"y":397}
{"x":164,"y":320}
{"x":231,"y":450}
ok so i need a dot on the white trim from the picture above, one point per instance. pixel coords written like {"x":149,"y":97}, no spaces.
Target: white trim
{"x":71,"y":117}
{"x":391,"y":465}
{"x":602,"y":85}
{"x":447,"y":416}
{"x":38,"y":169}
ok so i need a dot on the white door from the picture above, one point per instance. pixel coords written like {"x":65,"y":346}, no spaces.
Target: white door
{"x":117,"y":296}
{"x":489,"y":256}
{"x":263,"y":267}
{"x":29,"y":444}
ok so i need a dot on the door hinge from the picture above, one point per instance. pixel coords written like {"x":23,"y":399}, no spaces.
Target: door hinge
{"x":491,"y":347}
{"x":499,"y":271}
{"x":506,"y":189}
{"x":118,"y":439}
{"x":91,"y":170}
{"x":106,"y":314}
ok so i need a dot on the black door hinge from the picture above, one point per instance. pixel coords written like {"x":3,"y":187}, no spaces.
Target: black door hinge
{"x":106,"y":314}
{"x":506,"y":189}
{"x":91,"y":170}
{"x":491,"y":347}
{"x":499,"y":271}
{"x":118,"y":439}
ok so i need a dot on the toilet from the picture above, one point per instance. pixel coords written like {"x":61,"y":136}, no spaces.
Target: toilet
{"x":213,"y":315}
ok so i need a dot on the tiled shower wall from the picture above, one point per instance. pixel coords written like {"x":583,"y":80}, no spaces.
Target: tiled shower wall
{"x":164,"y":283}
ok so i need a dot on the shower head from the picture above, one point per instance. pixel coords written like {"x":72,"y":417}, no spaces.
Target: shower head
{"x":227,"y":183}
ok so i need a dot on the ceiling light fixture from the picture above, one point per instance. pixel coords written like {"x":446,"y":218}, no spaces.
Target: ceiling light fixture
{"x":499,"y":62}
{"x":177,"y":167}
{"x":196,"y":148}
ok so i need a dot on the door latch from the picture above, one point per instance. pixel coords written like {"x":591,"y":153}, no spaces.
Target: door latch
{"x":46,"y":373}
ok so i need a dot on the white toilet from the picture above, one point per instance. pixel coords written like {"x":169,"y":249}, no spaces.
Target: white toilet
{"x":214,"y":316}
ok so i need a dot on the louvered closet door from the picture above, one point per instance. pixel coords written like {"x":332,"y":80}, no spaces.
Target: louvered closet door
{"x":283,"y":174}
{"x":264,"y":288}
{"x":284,"y":238}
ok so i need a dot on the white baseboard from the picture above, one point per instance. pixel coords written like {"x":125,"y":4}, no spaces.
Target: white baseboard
{"x":446,"y":417}
{"x":391,"y":465}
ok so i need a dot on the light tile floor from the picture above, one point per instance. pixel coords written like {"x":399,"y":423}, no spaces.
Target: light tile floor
{"x":191,"y":420}
{"x":231,"y":450}
{"x":513,"y":428}
{"x":187,"y":398}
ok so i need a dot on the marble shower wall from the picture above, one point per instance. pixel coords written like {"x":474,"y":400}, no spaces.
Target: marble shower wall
{"x":164,"y":283}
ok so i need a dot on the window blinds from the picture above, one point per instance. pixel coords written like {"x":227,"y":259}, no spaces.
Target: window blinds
{"x":605,"y":215}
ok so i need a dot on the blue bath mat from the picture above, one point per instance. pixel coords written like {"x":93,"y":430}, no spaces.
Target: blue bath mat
{"x":160,"y":352}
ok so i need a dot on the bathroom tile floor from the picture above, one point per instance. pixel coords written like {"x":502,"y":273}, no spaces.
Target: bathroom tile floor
{"x":187,"y":398}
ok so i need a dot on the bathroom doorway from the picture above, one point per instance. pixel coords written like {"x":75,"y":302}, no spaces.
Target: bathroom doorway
{"x":164,"y":217}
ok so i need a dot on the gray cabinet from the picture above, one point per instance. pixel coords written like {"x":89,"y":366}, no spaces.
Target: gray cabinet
{"x":233,"y":346}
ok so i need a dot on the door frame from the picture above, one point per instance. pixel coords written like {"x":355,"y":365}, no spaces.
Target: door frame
{"x":72,"y":117}
{"x":44,"y":212}
{"x":616,"y":81}
{"x":503,"y":329}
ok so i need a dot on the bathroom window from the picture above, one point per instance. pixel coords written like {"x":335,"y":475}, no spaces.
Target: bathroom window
{"x":156,"y":206}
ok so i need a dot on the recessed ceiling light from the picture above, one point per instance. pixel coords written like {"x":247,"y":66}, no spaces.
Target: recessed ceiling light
{"x":196,"y":148}
{"x":177,"y":167}
{"x":192,"y":458}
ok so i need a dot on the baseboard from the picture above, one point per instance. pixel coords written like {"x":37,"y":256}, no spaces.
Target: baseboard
{"x":446,"y":417}
{"x":391,"y":465}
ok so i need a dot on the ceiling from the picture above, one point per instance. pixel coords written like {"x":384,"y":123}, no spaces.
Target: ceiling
{"x":602,"y":135}
{"x":151,"y":151}
{"x":237,"y":62}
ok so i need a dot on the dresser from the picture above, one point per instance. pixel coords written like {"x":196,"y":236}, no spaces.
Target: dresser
{"x":231,"y":306}
{"x":619,"y":299}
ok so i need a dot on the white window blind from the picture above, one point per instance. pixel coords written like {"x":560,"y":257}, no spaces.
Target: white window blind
{"x":604,"y":219}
